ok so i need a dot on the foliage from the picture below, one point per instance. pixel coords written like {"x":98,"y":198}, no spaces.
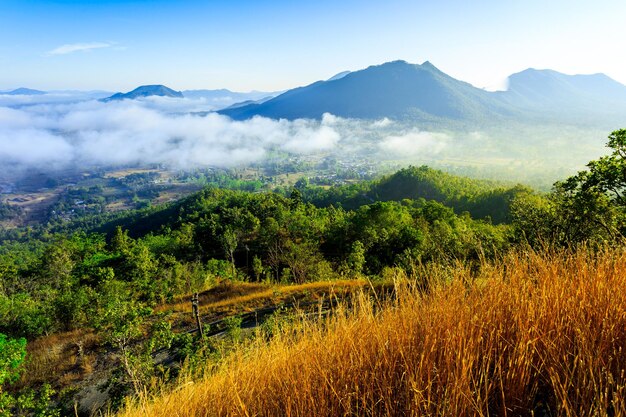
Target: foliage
{"x":587,"y":207}
{"x":29,"y":402}
{"x":482,"y":199}
{"x":12,"y":354}
{"x":8,"y":211}
{"x":71,"y":279}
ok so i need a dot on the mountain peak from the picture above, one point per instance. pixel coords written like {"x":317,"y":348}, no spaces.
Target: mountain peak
{"x":147,"y":91}
{"x":395,"y":89}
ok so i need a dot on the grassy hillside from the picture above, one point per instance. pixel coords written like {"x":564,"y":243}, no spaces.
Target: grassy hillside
{"x":532,"y":334}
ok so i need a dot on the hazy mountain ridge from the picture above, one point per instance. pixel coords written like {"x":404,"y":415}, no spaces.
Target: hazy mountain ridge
{"x":22,"y":91}
{"x":404,"y":91}
{"x":548,"y":85}
{"x":412,"y":93}
{"x":226,"y":94}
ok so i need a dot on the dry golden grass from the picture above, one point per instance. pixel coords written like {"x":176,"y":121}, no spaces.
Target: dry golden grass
{"x":249,"y":295}
{"x":279,"y":292}
{"x":530,"y":335}
{"x":64,"y":357}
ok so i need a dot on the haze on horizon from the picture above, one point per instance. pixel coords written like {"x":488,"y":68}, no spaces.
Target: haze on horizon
{"x":245,"y":45}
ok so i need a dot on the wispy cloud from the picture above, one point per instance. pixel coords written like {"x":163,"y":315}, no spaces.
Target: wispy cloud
{"x":78,"y":47}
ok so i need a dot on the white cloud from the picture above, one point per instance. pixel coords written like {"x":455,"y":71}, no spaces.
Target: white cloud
{"x":78,"y":47}
{"x":34,"y":147}
{"x":134,"y":132}
{"x":166,"y":131}
{"x":384,"y":122}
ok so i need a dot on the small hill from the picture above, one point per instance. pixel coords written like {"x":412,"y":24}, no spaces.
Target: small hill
{"x":249,"y":102}
{"x":482,"y":199}
{"x":146,"y":91}
{"x":23,"y":92}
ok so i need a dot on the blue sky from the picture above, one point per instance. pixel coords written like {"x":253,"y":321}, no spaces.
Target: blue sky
{"x":274,"y":45}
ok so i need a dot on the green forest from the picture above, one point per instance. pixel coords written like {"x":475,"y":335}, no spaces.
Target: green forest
{"x":110,"y":274}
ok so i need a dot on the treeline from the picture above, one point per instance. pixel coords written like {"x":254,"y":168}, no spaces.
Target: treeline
{"x":70,"y":281}
{"x":482,"y":199}
{"x":8,"y":211}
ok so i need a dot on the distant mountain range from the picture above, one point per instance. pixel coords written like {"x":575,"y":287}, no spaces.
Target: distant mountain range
{"x":547,"y":88}
{"x":25,"y":97}
{"x":404,"y":91}
{"x":415,"y":93}
{"x":227,"y":95}
{"x":221,"y":98}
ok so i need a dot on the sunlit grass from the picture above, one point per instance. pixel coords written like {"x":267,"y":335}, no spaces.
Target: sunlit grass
{"x":532,"y":334}
{"x":240,"y":294}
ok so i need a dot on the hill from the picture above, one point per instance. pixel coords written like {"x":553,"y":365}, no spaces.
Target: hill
{"x":223,"y":98}
{"x":23,"y":92}
{"x":482,"y":199}
{"x":146,"y":91}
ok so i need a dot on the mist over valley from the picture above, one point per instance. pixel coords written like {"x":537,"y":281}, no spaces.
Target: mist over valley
{"x":545,"y":126}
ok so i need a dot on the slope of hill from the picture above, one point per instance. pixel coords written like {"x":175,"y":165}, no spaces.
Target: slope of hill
{"x":146,"y":91}
{"x":515,"y":314}
{"x":338,"y":75}
{"x":533,"y":334}
{"x":223,"y":98}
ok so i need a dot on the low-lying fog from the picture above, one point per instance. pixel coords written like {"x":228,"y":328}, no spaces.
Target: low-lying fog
{"x":55,"y":132}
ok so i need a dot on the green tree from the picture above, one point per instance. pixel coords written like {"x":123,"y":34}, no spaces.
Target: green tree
{"x":257,"y":268}
{"x":120,"y":242}
{"x":12,"y":355}
{"x":356,"y":258}
{"x":608,"y":174}
{"x":230,"y":241}
{"x":593,"y":202}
